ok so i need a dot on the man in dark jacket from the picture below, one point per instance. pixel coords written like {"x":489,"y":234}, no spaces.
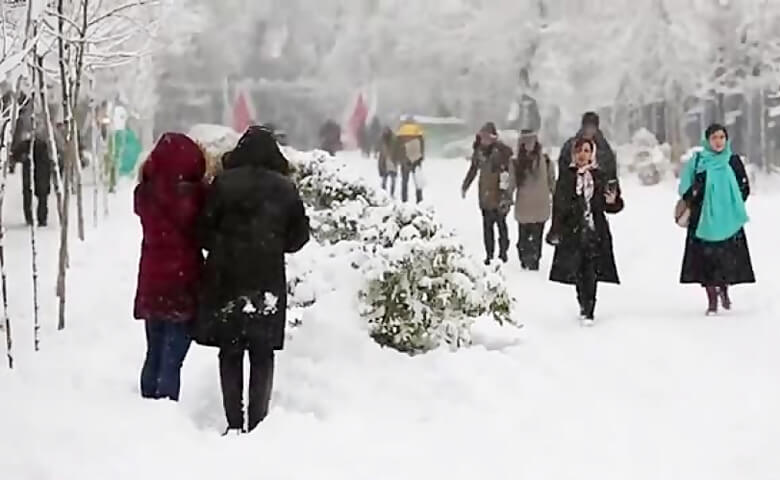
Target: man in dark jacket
{"x":330,"y":137}
{"x":492,"y":161}
{"x":252,"y":217}
{"x":605,"y":156}
{"x":36,"y":176}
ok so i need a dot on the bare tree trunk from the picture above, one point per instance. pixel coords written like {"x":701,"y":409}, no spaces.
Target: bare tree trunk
{"x":95,"y":170}
{"x":33,"y":224}
{"x":5,"y":147}
{"x":82,"y":46}
{"x":79,"y":183}
{"x":55,"y":153}
{"x":762,"y":129}
{"x":63,"y":256}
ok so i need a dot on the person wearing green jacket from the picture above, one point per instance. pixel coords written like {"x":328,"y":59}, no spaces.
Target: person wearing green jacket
{"x":124,"y":148}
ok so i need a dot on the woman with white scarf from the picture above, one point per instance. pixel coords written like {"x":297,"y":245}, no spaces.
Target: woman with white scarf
{"x":580,"y":231}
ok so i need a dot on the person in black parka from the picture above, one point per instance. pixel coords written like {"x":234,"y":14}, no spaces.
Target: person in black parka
{"x":36,"y":177}
{"x":252,"y":217}
{"x":716,"y":255}
{"x":591,"y":130}
{"x":580,"y":231}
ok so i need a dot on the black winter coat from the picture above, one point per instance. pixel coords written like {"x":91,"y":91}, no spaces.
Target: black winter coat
{"x":716,"y":263}
{"x":252,"y":217}
{"x":568,"y":225}
{"x":37,"y":174}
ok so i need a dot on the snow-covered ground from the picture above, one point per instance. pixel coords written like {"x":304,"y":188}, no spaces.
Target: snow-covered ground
{"x":655,"y":391}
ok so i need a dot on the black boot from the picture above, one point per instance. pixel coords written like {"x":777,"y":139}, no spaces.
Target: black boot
{"x":712,"y":300}
{"x":725,"y":300}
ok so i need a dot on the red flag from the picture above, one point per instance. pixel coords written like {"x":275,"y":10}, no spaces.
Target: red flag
{"x":358,"y":117}
{"x":243,"y":113}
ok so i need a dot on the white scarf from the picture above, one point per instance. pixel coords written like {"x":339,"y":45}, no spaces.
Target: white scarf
{"x":586,"y":187}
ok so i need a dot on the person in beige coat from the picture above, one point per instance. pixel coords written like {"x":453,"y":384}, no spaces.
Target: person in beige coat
{"x":534,"y":178}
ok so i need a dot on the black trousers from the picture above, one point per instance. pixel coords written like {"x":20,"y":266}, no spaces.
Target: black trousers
{"x":490,"y":220}
{"x":392,"y":176}
{"x":529,"y":244}
{"x":261,"y":377}
{"x":42,"y":210}
{"x":406,"y":172}
{"x":587,"y":284}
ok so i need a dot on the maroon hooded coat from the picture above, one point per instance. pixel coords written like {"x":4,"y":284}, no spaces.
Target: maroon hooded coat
{"x":168,"y":201}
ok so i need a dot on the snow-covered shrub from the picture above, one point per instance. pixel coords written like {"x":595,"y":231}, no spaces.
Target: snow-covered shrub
{"x":325,"y":185}
{"x":382,"y":227}
{"x":420,"y":294}
{"x":420,"y":289}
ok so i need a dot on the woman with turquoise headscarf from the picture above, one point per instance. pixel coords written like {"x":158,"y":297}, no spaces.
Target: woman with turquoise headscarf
{"x":715,"y":186}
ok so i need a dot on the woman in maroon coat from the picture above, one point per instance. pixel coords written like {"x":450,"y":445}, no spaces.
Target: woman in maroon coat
{"x":168,"y":200}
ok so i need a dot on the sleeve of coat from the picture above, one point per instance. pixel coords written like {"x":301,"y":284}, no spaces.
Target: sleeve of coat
{"x":472,"y":173}
{"x":560,"y":203}
{"x":512,"y":174}
{"x":742,"y":178}
{"x":209,"y":219}
{"x":297,"y":227}
{"x":550,"y":174}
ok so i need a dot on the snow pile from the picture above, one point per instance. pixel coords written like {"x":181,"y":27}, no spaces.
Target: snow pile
{"x":418,"y":287}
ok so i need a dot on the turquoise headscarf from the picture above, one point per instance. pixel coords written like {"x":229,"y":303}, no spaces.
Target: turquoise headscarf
{"x":723,"y":211}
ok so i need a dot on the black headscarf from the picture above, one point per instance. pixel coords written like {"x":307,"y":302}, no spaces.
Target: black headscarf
{"x":258,"y":147}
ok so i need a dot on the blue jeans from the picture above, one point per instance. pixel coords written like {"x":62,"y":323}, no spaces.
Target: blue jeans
{"x":167,"y":344}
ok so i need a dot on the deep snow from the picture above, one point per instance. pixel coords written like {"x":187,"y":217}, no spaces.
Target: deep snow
{"x":655,"y":391}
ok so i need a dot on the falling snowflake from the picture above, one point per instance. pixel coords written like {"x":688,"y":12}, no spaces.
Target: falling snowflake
{"x":249,"y":307}
{"x":271,"y":301}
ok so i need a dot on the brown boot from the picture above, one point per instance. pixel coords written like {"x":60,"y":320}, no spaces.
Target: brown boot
{"x":725,"y":300}
{"x":712,"y":299}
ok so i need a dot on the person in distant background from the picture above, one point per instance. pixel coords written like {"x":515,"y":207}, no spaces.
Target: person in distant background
{"x":715,"y":186}
{"x":375,"y":130}
{"x":169,"y":200}
{"x":330,"y":137}
{"x":36,"y":171}
{"x":388,"y":168}
{"x":535,"y":183}
{"x":492,"y":160}
{"x":363,"y":140}
{"x":590,"y":130}
{"x":410,"y":155}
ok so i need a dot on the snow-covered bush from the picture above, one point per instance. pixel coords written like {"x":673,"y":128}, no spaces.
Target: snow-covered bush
{"x":324,"y":185}
{"x":420,"y":294}
{"x":420,"y":288}
{"x":382,"y":227}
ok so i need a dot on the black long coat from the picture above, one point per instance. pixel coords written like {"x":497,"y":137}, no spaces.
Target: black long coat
{"x":252,"y":217}
{"x":36,"y":175}
{"x":568,"y":225}
{"x":716,"y":263}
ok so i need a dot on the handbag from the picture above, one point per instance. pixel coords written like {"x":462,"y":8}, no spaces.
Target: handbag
{"x":682,"y":210}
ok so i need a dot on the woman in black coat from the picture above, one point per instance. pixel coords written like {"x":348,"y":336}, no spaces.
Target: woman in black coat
{"x":580,"y":231}
{"x":716,"y":249}
{"x":252,"y":217}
